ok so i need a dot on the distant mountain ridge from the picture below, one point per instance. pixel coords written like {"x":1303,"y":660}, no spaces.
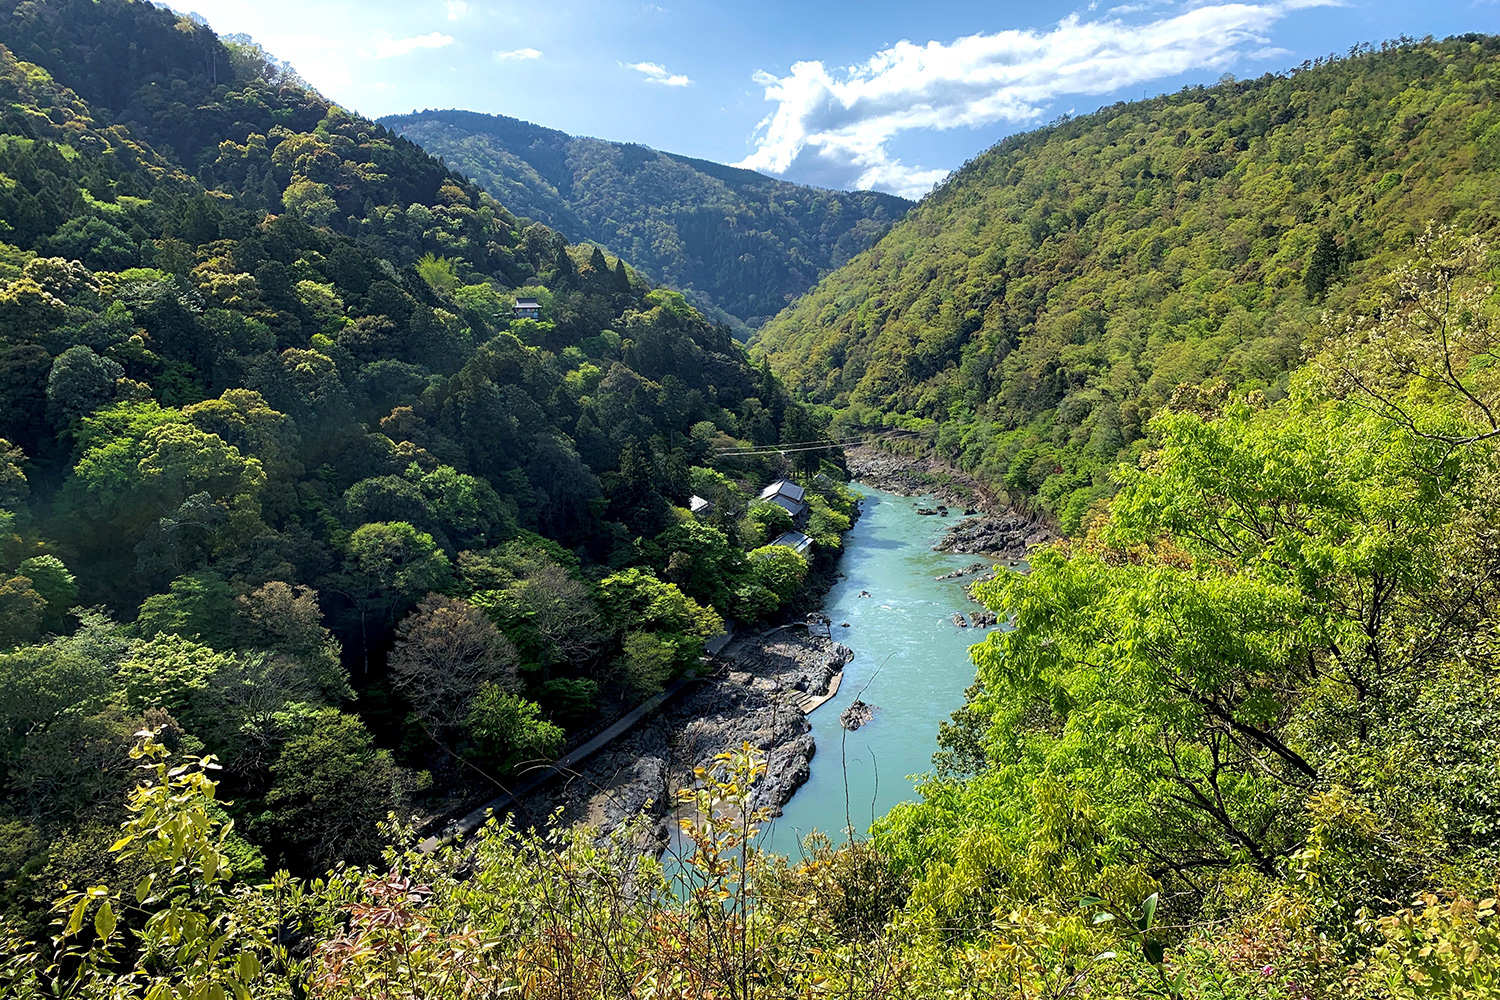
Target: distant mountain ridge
{"x":741,"y":244}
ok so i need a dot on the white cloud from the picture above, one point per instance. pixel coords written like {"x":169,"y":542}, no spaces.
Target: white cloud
{"x":833,"y":125}
{"x":456,"y":9}
{"x":519,"y":54}
{"x":385,"y":48}
{"x":656,"y":73}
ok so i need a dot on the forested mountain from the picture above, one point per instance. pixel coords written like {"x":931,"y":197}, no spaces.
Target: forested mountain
{"x":283,"y":478}
{"x":296,"y":514}
{"x":733,"y":240}
{"x":1053,"y":294}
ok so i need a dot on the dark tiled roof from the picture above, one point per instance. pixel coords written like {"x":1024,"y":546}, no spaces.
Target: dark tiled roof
{"x":792,"y":507}
{"x":794,"y":540}
{"x":784,"y":488}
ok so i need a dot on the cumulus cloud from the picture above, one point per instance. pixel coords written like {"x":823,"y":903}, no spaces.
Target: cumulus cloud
{"x":656,"y":73}
{"x":388,"y":47}
{"x":832,"y":125}
{"x":519,"y":54}
{"x":456,"y":9}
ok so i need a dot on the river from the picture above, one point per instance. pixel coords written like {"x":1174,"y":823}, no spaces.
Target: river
{"x":910,"y":662}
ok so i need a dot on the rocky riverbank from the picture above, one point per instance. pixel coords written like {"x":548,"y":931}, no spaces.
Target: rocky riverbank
{"x":753,"y":698}
{"x":1007,"y":538}
{"x":990,"y":528}
{"x":925,"y":476}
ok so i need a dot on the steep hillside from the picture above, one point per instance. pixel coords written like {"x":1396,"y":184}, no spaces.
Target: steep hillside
{"x":267,"y":411}
{"x":303,"y":531}
{"x":734,"y":240}
{"x":1039,"y":307}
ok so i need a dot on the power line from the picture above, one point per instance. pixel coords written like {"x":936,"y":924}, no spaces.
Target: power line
{"x":807,"y":445}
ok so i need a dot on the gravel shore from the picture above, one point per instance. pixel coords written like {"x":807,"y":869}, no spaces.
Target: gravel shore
{"x":754,"y":698}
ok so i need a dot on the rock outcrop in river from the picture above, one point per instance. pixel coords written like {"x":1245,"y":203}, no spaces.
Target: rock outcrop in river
{"x":857,"y":714}
{"x":1009,"y":537}
{"x":754,"y":700}
{"x":969,"y":570}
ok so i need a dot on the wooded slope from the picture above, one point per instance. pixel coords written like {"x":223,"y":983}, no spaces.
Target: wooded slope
{"x":1059,"y":288}
{"x":740,"y":244}
{"x":266,"y":412}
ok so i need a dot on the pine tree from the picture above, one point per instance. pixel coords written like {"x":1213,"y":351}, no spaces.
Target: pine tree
{"x":634,"y":499}
{"x":564,"y":274}
{"x":598,"y":266}
{"x":1323,"y":266}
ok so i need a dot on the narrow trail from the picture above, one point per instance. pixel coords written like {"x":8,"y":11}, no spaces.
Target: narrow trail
{"x":543,"y":773}
{"x":540,"y":775}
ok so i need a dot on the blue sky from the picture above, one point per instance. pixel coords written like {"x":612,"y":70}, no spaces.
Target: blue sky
{"x":881,"y":94}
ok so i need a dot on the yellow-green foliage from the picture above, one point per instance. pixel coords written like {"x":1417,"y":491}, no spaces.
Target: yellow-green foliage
{"x":564,"y":915}
{"x":1440,"y":947}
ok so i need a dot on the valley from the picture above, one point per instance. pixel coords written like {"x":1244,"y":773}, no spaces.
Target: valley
{"x":445,"y":558}
{"x":739,"y":244}
{"x":909,"y":661}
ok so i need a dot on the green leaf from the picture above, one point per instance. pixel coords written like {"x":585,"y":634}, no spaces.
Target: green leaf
{"x":104,"y":921}
{"x":1148,"y":912}
{"x":1154,"y":951}
{"x":75,"y":920}
{"x":248,"y":966}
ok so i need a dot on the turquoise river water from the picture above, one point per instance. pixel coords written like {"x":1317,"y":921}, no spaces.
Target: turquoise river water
{"x":910,"y":662}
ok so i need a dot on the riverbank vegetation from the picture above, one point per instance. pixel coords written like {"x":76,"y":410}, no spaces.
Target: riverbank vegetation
{"x":1239,"y":742}
{"x":303,"y":532}
{"x":1261,"y":688}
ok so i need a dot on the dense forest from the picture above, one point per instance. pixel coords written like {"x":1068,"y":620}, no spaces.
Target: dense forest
{"x":284,"y":479}
{"x":1053,"y":294}
{"x":1239,"y":743}
{"x":739,"y":244}
{"x":296,"y":515}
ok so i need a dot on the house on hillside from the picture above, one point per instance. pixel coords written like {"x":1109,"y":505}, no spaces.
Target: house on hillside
{"x":700,"y":507}
{"x":794,"y":540}
{"x":789,"y":497}
{"x":528,"y":309}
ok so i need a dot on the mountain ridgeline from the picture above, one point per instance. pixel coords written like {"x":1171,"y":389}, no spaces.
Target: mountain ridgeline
{"x":740,"y":244}
{"x":311,"y":533}
{"x":1054,"y":293}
